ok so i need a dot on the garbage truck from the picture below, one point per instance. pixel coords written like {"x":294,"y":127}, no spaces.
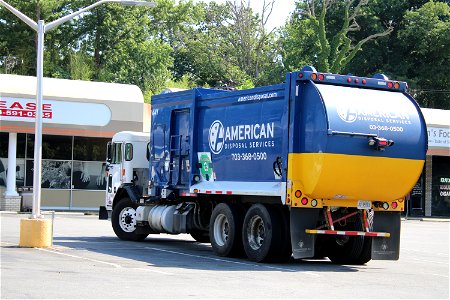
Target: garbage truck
{"x":317,"y":166}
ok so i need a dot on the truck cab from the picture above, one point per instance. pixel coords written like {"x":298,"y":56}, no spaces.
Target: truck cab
{"x":126,"y":166}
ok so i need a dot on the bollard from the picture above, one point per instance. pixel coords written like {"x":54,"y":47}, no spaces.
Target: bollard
{"x":36,"y":233}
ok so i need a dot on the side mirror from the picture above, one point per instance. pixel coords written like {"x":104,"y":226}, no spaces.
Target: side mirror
{"x":108,"y":152}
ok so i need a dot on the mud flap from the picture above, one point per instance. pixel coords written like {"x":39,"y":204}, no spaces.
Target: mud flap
{"x":386,"y":248}
{"x":302,"y":242}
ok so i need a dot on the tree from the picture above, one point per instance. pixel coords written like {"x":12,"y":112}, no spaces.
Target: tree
{"x":426,"y":53}
{"x":228,"y":46}
{"x":18,"y":41}
{"x":327,"y":30}
{"x":382,"y":55}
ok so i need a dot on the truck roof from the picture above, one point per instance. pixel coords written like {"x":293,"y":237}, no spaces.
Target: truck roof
{"x":131,"y":136}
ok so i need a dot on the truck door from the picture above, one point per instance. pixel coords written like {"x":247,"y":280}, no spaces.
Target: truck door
{"x":114,"y":168}
{"x":179,"y":148}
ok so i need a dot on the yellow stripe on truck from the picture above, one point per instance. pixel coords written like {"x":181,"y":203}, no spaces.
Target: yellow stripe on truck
{"x":339,"y":176}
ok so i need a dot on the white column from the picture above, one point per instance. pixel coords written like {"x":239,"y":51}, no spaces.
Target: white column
{"x":11,"y":174}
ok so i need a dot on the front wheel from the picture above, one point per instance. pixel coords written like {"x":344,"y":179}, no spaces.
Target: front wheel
{"x":123,"y":220}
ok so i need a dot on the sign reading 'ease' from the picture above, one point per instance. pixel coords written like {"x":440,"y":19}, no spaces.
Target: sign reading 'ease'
{"x":55,"y":112}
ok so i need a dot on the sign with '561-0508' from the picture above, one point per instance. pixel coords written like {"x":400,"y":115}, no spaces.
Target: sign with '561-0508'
{"x":56,"y":112}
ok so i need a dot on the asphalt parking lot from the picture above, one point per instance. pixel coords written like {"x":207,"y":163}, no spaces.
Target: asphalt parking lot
{"x":88,"y":261}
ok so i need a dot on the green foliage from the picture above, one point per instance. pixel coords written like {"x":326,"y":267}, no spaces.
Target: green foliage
{"x":183,"y":44}
{"x":426,"y":43}
{"x":323,"y":33}
{"x":81,"y":66}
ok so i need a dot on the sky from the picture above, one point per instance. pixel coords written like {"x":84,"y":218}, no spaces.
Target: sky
{"x":281,"y":10}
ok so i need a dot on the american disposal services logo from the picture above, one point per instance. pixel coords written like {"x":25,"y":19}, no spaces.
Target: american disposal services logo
{"x":347,"y":114}
{"x":216,"y":137}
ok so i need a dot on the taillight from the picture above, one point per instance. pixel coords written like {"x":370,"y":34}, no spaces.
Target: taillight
{"x":321,"y":77}
{"x":394,"y":205}
{"x":304,"y":200}
{"x":349,"y":80}
{"x":390,"y":85}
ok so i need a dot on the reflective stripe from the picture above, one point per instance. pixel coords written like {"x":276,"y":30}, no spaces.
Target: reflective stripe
{"x":360,"y":233}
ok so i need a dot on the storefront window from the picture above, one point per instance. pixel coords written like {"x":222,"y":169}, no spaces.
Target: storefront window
{"x":89,"y":149}
{"x":53,"y":147}
{"x":55,"y":174}
{"x":441,"y":186}
{"x":89,"y":175}
{"x":20,"y":162}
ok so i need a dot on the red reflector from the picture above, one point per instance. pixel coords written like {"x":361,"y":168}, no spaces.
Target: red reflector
{"x":364,"y":81}
{"x":304,"y":201}
{"x":300,"y":75}
{"x":356,"y":80}
{"x":390,"y":85}
{"x":382,"y":143}
{"x":349,"y":80}
{"x":394,"y":205}
{"x":321,"y":77}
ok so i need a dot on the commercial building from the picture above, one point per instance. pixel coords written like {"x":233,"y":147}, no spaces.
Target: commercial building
{"x":431,"y":195}
{"x":79,"y":118}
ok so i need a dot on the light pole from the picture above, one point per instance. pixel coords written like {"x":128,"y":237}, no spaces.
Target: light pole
{"x":40,"y":27}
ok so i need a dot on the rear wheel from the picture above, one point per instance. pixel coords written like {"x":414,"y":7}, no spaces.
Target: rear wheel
{"x":285,"y":248}
{"x":262,"y":233}
{"x":366,"y":252}
{"x":344,"y":249}
{"x":225,"y":230}
{"x":123,"y":220}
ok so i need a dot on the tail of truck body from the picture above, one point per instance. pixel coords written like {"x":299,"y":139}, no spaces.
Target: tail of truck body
{"x":316,"y":166}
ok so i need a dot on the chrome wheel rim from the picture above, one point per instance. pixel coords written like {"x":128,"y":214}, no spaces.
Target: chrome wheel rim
{"x":127,"y":219}
{"x":256,"y":232}
{"x":221,"y":230}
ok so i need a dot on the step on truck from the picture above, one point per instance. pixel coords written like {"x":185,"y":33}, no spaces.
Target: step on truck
{"x":315,"y":167}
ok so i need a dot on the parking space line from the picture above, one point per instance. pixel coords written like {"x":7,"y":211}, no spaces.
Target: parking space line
{"x":80,"y":257}
{"x":234,"y":262}
{"x":117,"y":266}
{"x":430,"y":261}
{"x":153,"y":271}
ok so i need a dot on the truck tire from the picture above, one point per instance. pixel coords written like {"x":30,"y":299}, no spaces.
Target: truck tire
{"x":346,"y":249}
{"x":262,"y":233}
{"x":225,"y":230}
{"x":200,"y":236}
{"x":285,"y":248}
{"x":366,"y":252}
{"x":123,"y":221}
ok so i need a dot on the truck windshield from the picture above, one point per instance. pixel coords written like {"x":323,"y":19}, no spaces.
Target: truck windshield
{"x":116,"y":153}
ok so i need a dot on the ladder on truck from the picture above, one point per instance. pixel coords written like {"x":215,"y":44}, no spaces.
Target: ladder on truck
{"x":175,"y":164}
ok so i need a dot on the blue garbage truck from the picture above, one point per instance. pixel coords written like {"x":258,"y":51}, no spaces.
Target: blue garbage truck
{"x":317,"y":166}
